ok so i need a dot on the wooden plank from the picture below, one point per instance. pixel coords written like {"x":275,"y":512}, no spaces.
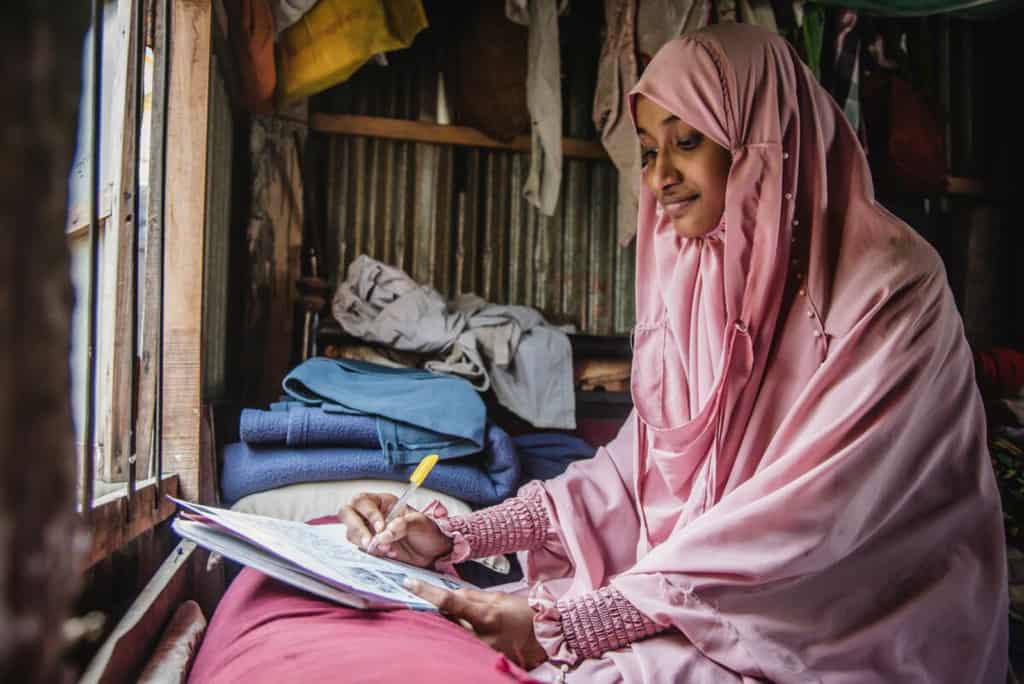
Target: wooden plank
{"x":423,"y":131}
{"x":281,"y":203}
{"x":605,"y":375}
{"x":443,"y":225}
{"x":152,"y":292}
{"x":123,"y":655}
{"x":113,"y":526}
{"x":119,"y":365}
{"x":184,"y":220}
{"x":113,"y":280}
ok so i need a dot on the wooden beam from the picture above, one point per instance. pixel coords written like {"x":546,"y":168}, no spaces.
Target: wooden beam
{"x":573,"y":148}
{"x":113,"y":527}
{"x":149,"y":344}
{"x":422,"y":131}
{"x":124,"y":653}
{"x":119,"y":364}
{"x":184,"y":221}
{"x":277,"y":202}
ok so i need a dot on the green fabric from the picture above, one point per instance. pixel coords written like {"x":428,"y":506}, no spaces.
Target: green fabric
{"x":1008,"y":463}
{"x":812,"y":34}
{"x":910,"y":8}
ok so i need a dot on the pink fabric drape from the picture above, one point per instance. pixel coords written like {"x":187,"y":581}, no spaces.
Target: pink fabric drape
{"x":803,"y":491}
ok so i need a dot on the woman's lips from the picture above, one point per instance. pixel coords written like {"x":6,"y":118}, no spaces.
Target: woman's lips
{"x":678,"y":207}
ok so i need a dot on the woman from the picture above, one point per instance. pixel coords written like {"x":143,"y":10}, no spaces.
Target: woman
{"x":802,"y":493}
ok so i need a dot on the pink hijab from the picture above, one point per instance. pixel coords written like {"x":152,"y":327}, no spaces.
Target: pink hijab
{"x":803,"y":491}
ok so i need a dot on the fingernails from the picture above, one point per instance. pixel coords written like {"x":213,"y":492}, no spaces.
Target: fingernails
{"x":378,"y":525}
{"x":410,"y":584}
{"x":366,"y":541}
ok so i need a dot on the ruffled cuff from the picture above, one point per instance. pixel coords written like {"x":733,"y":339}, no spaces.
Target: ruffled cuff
{"x":460,"y":545}
{"x":518,"y":524}
{"x":603,"y":620}
{"x":547,"y":626}
{"x":576,"y":629}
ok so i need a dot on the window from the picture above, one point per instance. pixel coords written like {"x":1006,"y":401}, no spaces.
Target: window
{"x":116,"y":265}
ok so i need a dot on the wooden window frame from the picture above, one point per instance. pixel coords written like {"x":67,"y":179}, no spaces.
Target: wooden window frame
{"x":180,"y":112}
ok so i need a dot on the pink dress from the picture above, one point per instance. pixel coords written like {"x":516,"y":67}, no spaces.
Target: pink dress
{"x":803,"y":493}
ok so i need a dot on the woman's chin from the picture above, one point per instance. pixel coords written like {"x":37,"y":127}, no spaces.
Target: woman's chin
{"x":687,"y":228}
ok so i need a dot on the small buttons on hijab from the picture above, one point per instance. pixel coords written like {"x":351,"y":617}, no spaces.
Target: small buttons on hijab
{"x":796,"y":222}
{"x":803,"y":293}
{"x":789,"y":195}
{"x":785,"y":155}
{"x":817,"y":333}
{"x":810,"y":314}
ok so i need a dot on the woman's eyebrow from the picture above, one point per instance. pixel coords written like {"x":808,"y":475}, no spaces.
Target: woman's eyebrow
{"x":670,"y":119}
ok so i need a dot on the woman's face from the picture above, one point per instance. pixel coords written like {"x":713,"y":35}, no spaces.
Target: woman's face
{"x":685,"y":170}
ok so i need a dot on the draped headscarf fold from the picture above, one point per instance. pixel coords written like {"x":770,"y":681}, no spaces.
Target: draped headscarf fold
{"x":807,"y":460}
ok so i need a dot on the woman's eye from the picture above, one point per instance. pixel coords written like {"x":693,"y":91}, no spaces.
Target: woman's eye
{"x":646,"y":157}
{"x":690,"y":142}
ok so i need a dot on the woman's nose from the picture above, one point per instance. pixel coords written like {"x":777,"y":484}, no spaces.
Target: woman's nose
{"x":664,"y":173}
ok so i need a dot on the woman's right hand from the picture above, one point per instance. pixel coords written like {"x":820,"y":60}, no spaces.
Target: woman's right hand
{"x":411,"y":537}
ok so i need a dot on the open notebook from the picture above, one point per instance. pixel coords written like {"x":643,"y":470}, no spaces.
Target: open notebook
{"x":315,"y":558}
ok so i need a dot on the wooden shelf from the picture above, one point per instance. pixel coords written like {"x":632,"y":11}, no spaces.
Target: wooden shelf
{"x":574,"y":148}
{"x":421,"y":131}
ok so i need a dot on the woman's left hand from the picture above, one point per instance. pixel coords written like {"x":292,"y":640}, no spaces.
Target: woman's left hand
{"x":502,"y":621}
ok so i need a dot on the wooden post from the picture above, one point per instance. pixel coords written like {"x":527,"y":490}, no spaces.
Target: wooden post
{"x":40,"y":541}
{"x":119,"y":364}
{"x":184,"y":221}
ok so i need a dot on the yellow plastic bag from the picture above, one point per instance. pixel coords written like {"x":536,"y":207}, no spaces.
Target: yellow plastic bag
{"x":336,"y":37}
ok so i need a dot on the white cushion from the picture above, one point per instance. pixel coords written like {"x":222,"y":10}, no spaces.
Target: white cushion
{"x":309,"y":500}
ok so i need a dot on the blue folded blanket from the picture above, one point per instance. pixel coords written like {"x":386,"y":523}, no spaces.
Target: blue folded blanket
{"x":546,"y":455}
{"x":483,"y":479}
{"x":417,"y":412}
{"x":307,"y":426}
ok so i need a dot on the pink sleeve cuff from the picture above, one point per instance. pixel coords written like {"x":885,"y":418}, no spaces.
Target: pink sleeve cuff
{"x":547,"y":626}
{"x":460,"y":546}
{"x":518,"y":524}
{"x":571,"y":630}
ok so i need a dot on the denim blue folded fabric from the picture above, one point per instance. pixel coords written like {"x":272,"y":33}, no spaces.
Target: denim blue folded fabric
{"x":418,"y":412}
{"x":482,"y":479}
{"x":545,"y":455}
{"x":301,"y":425}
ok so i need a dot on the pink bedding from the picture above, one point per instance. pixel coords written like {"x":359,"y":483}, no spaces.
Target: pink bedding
{"x":266,"y":632}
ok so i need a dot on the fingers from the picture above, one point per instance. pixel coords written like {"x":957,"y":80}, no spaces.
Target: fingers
{"x":397,"y":530}
{"x":363,"y":517}
{"x":369,"y":506}
{"x":480,"y":596}
{"x":454,"y":603}
{"x":356,"y":530}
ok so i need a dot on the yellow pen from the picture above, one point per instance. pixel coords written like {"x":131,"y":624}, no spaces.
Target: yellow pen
{"x":415,"y":480}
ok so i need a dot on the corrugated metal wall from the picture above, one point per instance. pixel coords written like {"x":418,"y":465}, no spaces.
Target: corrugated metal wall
{"x":455,"y":217}
{"x":219,"y":168}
